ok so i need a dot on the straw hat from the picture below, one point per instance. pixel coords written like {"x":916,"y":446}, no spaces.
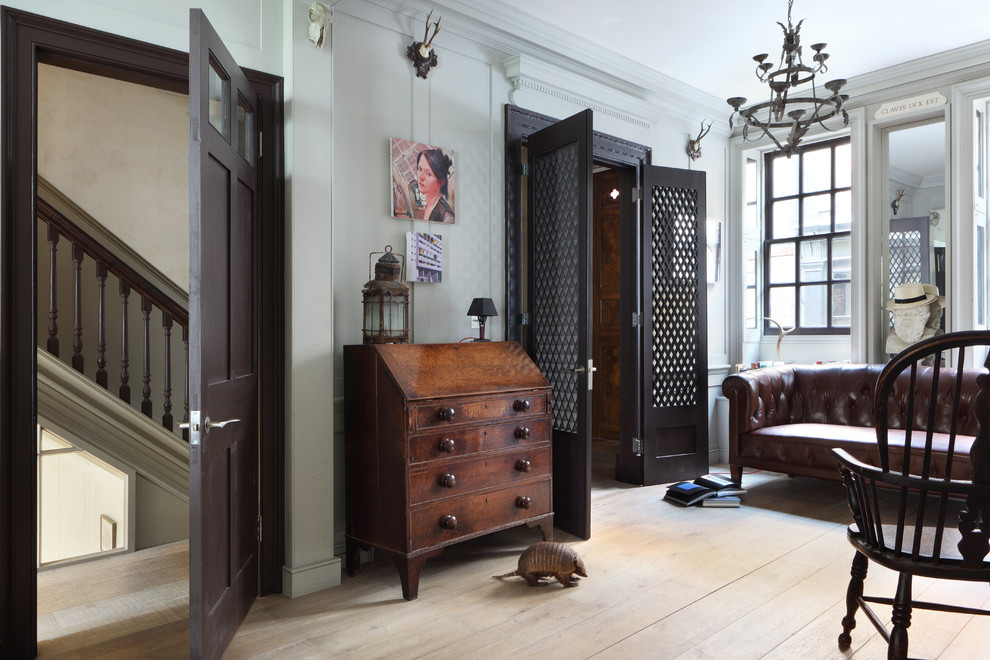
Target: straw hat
{"x":912,"y":294}
{"x":931,"y":289}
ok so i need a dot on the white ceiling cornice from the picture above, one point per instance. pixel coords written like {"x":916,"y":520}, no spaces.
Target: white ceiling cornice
{"x":496,"y":26}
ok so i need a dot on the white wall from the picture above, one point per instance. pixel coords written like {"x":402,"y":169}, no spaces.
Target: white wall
{"x":121,"y":152}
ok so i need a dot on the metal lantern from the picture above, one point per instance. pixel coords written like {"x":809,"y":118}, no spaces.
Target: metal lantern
{"x":386,"y":302}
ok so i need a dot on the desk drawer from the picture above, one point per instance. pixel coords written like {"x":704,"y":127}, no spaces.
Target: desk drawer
{"x":446,"y":520}
{"x":442,"y":445}
{"x":454,"y":478}
{"x":478,"y":410}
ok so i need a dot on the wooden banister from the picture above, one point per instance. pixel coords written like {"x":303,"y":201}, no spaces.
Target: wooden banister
{"x":114,"y":264}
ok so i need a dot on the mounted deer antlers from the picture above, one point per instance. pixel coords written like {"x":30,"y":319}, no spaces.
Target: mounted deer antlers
{"x":420,"y":53}
{"x":694,"y":146}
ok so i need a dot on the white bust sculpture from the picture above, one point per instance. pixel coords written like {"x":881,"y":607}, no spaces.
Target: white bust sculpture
{"x":917,"y":312}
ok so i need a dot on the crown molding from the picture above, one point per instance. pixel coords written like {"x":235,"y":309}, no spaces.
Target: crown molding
{"x":515,"y":33}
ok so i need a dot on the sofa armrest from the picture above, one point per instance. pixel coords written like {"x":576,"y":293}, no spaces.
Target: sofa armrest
{"x":759,"y":398}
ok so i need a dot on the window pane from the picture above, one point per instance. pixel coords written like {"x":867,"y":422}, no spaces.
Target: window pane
{"x":782,"y":306}
{"x":751,"y":289}
{"x":781,"y":263}
{"x":219,"y":93}
{"x":817,"y":173}
{"x":843,"y":166}
{"x":840,"y":306}
{"x":785,"y":176}
{"x":245,"y":130}
{"x":817,"y":215}
{"x":841,"y":261}
{"x":843,"y":211}
{"x":813,"y":306}
{"x":785,"y":219}
{"x":814,"y":261}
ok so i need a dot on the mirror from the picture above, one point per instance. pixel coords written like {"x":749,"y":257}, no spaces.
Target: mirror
{"x":917,"y":231}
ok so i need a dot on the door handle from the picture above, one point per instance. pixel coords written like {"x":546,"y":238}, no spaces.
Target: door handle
{"x":210,"y":425}
{"x":590,"y":369}
{"x":219,"y":425}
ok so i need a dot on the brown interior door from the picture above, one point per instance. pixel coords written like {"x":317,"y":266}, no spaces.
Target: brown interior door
{"x":223,"y":469}
{"x":560,"y":167}
{"x":674,"y":325}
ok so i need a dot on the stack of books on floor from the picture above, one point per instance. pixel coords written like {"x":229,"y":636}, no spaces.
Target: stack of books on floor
{"x":710,"y":490}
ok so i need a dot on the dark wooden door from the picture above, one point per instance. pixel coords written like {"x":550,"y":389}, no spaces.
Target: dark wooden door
{"x":560,"y":244}
{"x":674,"y":337}
{"x":223,"y":464}
{"x":606,"y":415}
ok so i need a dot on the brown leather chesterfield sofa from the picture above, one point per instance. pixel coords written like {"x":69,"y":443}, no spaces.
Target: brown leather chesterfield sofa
{"x":786,"y":419}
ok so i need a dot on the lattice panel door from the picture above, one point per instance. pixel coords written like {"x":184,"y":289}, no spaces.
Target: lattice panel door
{"x":674,"y":336}
{"x":555,"y":279}
{"x":674,"y":311}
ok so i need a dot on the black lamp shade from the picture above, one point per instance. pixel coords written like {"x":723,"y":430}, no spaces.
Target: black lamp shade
{"x":482,"y":307}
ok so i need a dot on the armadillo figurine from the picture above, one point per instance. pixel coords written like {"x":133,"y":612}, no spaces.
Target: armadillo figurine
{"x":548,"y":559}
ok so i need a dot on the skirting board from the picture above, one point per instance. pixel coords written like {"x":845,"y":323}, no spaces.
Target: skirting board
{"x":305,"y":580}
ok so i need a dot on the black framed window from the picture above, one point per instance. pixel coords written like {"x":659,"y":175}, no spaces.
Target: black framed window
{"x":807,"y":239}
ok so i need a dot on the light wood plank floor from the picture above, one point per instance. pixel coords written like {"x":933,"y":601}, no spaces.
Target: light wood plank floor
{"x":763,"y":581}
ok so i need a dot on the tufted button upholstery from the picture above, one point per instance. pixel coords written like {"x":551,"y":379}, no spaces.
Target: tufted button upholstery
{"x":788,"y":418}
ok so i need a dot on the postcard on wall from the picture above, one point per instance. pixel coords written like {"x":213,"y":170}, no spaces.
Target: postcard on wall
{"x":425,"y":257}
{"x":423,"y":181}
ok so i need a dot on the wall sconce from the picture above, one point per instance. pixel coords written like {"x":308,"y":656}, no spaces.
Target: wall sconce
{"x":319,"y":20}
{"x":482,"y":308}
{"x":694,"y":146}
{"x":423,"y":57}
{"x":386,"y":302}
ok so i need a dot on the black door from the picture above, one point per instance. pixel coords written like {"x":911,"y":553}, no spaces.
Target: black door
{"x":560,"y":229}
{"x":674,"y":328}
{"x":223,"y":450}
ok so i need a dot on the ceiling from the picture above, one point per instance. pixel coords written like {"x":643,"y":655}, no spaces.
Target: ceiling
{"x":709,"y":44}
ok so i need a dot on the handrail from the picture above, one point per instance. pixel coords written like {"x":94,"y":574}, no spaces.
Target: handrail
{"x":114,"y":264}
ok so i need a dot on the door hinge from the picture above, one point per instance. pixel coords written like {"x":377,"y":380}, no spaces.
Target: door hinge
{"x":637,"y":446}
{"x":637,"y":319}
{"x":260,"y":142}
{"x":259,"y":528}
{"x":524,"y":318}
{"x":636,"y":194}
{"x":525,"y":169}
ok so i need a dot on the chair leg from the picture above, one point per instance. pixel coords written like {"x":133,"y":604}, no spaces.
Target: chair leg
{"x":853,"y":593}
{"x":901,"y":618}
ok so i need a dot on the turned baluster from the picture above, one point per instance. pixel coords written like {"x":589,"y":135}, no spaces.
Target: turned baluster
{"x":167,"y":389}
{"x":146,"y":375}
{"x":101,"y":326}
{"x":125,"y":358}
{"x":185,"y":400}
{"x":52,"y":291}
{"x":77,"y":356}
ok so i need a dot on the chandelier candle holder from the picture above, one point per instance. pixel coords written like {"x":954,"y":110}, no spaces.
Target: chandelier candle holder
{"x":386,"y":302}
{"x":796,"y":114}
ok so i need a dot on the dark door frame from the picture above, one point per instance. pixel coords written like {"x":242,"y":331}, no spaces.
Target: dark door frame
{"x":27,"y":40}
{"x":630,"y":159}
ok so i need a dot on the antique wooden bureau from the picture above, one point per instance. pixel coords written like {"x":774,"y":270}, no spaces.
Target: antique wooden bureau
{"x":443,"y":443}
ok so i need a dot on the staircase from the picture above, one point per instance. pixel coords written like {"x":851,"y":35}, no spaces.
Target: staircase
{"x":84,"y":393}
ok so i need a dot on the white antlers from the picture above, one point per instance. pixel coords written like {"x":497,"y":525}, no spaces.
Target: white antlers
{"x":424,"y":46}
{"x":694,"y":146}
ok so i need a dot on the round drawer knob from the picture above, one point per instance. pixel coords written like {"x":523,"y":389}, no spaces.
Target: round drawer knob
{"x":447,"y":444}
{"x":446,"y":414}
{"x":523,"y":465}
{"x":520,"y":405}
{"x":447,"y":480}
{"x":448,"y":522}
{"x":523,"y":502}
{"x":522,"y":432}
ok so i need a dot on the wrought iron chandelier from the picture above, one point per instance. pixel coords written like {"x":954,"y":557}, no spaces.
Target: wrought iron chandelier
{"x":796,"y":113}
